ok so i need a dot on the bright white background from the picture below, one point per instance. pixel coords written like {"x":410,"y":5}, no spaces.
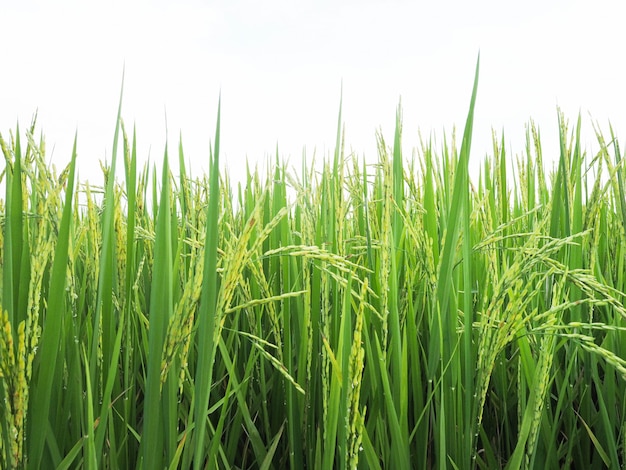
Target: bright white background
{"x":280,"y":64}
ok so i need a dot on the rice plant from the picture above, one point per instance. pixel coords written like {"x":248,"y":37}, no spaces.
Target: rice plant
{"x":388,"y":315}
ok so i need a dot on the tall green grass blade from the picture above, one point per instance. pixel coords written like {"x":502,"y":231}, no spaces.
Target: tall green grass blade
{"x":91,"y":462}
{"x":396,"y":278}
{"x":440,"y":349}
{"x":104,"y":323}
{"x":399,"y":457}
{"x":154,"y":443}
{"x":205,"y":335}
{"x":46,"y":374}
{"x":468,"y":350}
{"x":128,"y":383}
{"x":335,"y":449}
{"x":16,"y":271}
{"x":443,"y":329}
{"x":266,"y":464}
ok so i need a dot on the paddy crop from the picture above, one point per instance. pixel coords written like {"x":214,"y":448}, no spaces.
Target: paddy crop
{"x":387,"y":315}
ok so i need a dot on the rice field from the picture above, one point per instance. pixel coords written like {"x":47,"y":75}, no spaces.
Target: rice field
{"x":388,"y":315}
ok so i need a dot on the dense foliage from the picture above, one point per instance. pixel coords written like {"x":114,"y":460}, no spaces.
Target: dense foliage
{"x":394,"y":315}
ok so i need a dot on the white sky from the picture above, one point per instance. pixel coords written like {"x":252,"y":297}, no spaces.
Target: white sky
{"x":280,"y":65}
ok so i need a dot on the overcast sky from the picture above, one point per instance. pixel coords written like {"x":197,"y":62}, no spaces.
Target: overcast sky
{"x":280,"y":64}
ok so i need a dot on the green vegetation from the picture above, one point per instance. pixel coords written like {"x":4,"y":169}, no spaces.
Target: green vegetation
{"x":394,"y":315}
